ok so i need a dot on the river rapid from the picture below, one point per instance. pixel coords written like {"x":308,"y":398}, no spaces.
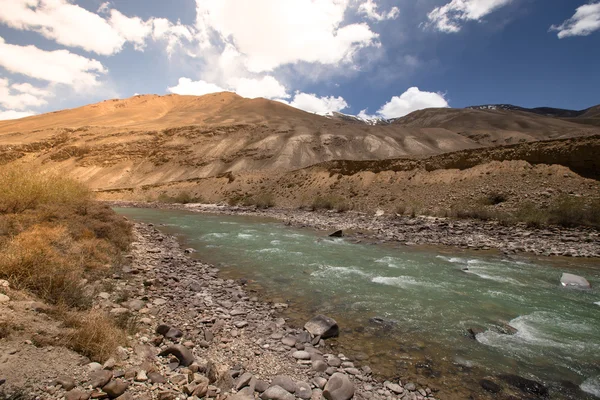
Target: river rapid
{"x":406,"y":311}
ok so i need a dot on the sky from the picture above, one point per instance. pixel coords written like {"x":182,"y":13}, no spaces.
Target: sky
{"x":371,"y":58}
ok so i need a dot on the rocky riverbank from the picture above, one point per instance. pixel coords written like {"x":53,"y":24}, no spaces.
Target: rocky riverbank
{"x":460,"y":233}
{"x":205,"y":337}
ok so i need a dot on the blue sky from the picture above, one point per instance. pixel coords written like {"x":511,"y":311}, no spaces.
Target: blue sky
{"x":373,"y":58}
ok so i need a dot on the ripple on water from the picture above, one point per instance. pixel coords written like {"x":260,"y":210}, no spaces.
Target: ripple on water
{"x":391,"y":262}
{"x":404,"y":282}
{"x":215,"y":235}
{"x":245,"y":236}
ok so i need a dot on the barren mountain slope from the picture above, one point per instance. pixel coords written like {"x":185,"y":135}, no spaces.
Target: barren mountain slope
{"x":154,"y":139}
{"x":495,"y":127}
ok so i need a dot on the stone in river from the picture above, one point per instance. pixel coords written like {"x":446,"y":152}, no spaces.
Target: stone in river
{"x":574,"y":281}
{"x":338,"y":233}
{"x":490,"y":386}
{"x":339,"y":387}
{"x":277,"y":393}
{"x":323,"y":326}
{"x":526,"y":385}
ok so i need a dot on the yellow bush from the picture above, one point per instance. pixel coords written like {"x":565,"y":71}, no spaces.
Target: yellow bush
{"x":24,"y":189}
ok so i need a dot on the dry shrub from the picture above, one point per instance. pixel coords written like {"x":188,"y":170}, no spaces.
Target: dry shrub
{"x":263,"y":201}
{"x":180,"y":198}
{"x":93,"y":334}
{"x":24,"y":189}
{"x":40,"y":260}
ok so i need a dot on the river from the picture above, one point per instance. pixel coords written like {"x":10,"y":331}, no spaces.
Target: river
{"x":406,"y":311}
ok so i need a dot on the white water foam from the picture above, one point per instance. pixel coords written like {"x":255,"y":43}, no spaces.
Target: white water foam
{"x":483,"y":275}
{"x":597,"y":303}
{"x":538,"y":329}
{"x":390,"y":261}
{"x":591,"y":386}
{"x":327,"y":270}
{"x":403,"y":282}
{"x":245,"y":236}
{"x":215,"y":235}
{"x":275,"y":242}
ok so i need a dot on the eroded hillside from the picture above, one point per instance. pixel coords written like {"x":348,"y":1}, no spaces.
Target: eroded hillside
{"x":154,"y":140}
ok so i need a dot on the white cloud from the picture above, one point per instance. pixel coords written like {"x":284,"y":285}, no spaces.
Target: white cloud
{"x":450,"y":17}
{"x":186,"y":86}
{"x":27,"y":96}
{"x":369,"y":8}
{"x":585,"y":21}
{"x":65,"y":23}
{"x":267,"y":87}
{"x":290,"y":31}
{"x":173,"y":34}
{"x":12,"y":114}
{"x":320,"y":105}
{"x":59,"y":66}
{"x":411,"y":100}
{"x":131,"y":29}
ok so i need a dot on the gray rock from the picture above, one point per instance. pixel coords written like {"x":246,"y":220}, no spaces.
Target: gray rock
{"x":173,"y":334}
{"x":261,"y":386}
{"x":65,"y":382}
{"x":136,"y":305}
{"x":289,"y":341}
{"x":77,"y":395}
{"x":243,"y":380}
{"x":319,"y":382}
{"x":322,"y":326}
{"x":338,"y":233}
{"x":410,"y":386}
{"x":100,"y":378}
{"x":277,"y":393}
{"x":319,"y":366}
{"x":394,"y":387}
{"x":339,"y":387}
{"x":183,"y":354}
{"x":301,"y":355}
{"x":574,"y":281}
{"x":334,"y":362}
{"x":115,"y":388}
{"x":285,"y":382}
{"x":155,"y":377}
{"x":245,"y":394}
{"x":303,"y":390}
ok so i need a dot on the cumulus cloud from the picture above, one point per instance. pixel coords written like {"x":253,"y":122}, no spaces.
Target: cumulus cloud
{"x":12,"y":114}
{"x":449,"y":18}
{"x":186,"y":86}
{"x":74,"y":26}
{"x":369,"y":8}
{"x":319,"y":105}
{"x":411,"y":100}
{"x":58,"y":66}
{"x":290,"y":31}
{"x":585,"y":21}
{"x":20,"y":96}
{"x":65,"y":23}
{"x":267,"y":87}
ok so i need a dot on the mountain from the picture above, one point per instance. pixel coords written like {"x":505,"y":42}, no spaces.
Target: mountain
{"x":151,"y":139}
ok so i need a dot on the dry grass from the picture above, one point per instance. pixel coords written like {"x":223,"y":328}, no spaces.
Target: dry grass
{"x":53,"y":239}
{"x":335,"y":203}
{"x":23,"y":189}
{"x":93,"y":334}
{"x":180,"y":198}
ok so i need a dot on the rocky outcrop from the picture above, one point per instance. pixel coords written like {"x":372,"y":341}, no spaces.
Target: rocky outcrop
{"x":322,"y":326}
{"x":574,"y":281}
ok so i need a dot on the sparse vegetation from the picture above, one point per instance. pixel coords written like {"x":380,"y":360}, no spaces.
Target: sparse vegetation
{"x":494,"y":198}
{"x":53,"y":239}
{"x":330,"y":203}
{"x":565,"y":211}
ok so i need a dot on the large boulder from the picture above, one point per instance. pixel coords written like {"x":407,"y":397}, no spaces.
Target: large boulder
{"x":338,"y":387}
{"x":574,"y":281}
{"x":322,"y":326}
{"x":526,"y":385}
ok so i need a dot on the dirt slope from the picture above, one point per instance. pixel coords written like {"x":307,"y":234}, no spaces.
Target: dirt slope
{"x":152,"y":139}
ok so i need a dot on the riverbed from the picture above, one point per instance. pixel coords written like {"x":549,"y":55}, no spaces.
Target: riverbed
{"x":406,"y":311}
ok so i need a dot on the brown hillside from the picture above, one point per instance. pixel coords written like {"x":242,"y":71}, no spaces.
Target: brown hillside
{"x":151,"y":139}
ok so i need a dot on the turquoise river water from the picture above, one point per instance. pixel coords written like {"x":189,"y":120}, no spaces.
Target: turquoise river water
{"x":423,"y":300}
